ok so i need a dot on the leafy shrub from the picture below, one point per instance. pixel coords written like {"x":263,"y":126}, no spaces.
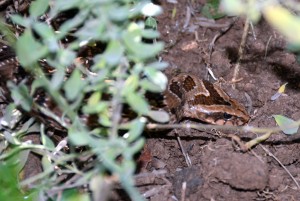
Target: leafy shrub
{"x":100,"y":88}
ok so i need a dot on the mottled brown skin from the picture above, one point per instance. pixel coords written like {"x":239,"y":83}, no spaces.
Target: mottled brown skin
{"x":8,"y":63}
{"x":187,"y":96}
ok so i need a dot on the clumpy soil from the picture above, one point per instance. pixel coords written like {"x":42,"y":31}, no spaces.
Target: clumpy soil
{"x":220,"y":170}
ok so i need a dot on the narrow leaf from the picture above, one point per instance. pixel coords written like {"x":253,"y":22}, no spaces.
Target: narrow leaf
{"x":48,"y":35}
{"x":46,"y":141}
{"x":287,"y":125}
{"x":38,"y":7}
{"x":132,"y":41}
{"x":151,"y":23}
{"x":131,"y":84}
{"x":29,"y":50}
{"x":136,"y":128}
{"x":21,"y":96}
{"x":157,"y":77}
{"x":138,"y":103}
{"x":18,"y":19}
{"x":159,"y":116}
{"x":113,"y":53}
{"x":74,"y":85}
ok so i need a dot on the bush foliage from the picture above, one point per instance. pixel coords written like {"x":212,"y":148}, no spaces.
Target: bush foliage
{"x":117,"y":69}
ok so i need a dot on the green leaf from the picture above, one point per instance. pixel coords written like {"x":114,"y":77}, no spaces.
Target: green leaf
{"x":136,"y":128}
{"x":135,"y":147}
{"x":18,"y":19}
{"x":131,"y":84}
{"x":37,"y":83}
{"x":29,"y":126}
{"x":11,"y":138}
{"x":104,"y":120}
{"x":67,"y":26}
{"x":66,"y":57}
{"x":57,"y":79}
{"x":157,"y":77}
{"x":287,"y":125}
{"x":151,"y":23}
{"x":119,"y":14}
{"x":8,"y":32}
{"x":46,"y":163}
{"x":92,"y":29}
{"x":150,"y":34}
{"x":9,"y":117}
{"x":142,"y":50}
{"x":65,"y":5}
{"x":158,"y":65}
{"x":29,"y":51}
{"x":22,"y":158}
{"x":75,"y":195}
{"x":21,"y":96}
{"x":98,"y":185}
{"x":38,"y":7}
{"x":95,"y":105}
{"x":112,"y":149}
{"x":46,"y":141}
{"x":283,"y":20}
{"x":132,"y":40}
{"x":78,"y":138}
{"x":248,"y":8}
{"x":128,"y":166}
{"x":234,"y":7}
{"x":159,"y":116}
{"x":94,"y":98}
{"x":74,"y":85}
{"x":94,"y":109}
{"x":48,"y":35}
{"x":138,"y":103}
{"x":211,"y":9}
{"x":113,"y":53}
{"x":9,"y":182}
{"x":149,"y":86}
{"x":78,"y":135}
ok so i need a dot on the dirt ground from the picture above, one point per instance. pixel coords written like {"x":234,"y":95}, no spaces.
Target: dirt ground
{"x":220,"y":170}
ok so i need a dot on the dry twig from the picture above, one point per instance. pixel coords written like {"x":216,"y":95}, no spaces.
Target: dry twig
{"x":289,"y":173}
{"x":241,"y":52}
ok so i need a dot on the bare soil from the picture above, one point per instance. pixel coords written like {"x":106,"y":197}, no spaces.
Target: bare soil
{"x":220,"y":170}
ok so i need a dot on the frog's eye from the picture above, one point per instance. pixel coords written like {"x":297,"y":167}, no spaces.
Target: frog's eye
{"x":227,"y":116}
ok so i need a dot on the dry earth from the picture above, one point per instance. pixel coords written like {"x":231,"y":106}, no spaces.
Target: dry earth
{"x":220,"y":170}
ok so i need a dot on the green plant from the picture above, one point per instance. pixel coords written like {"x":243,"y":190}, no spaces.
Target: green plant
{"x":9,"y":170}
{"x":122,"y":71}
{"x":211,"y":9}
